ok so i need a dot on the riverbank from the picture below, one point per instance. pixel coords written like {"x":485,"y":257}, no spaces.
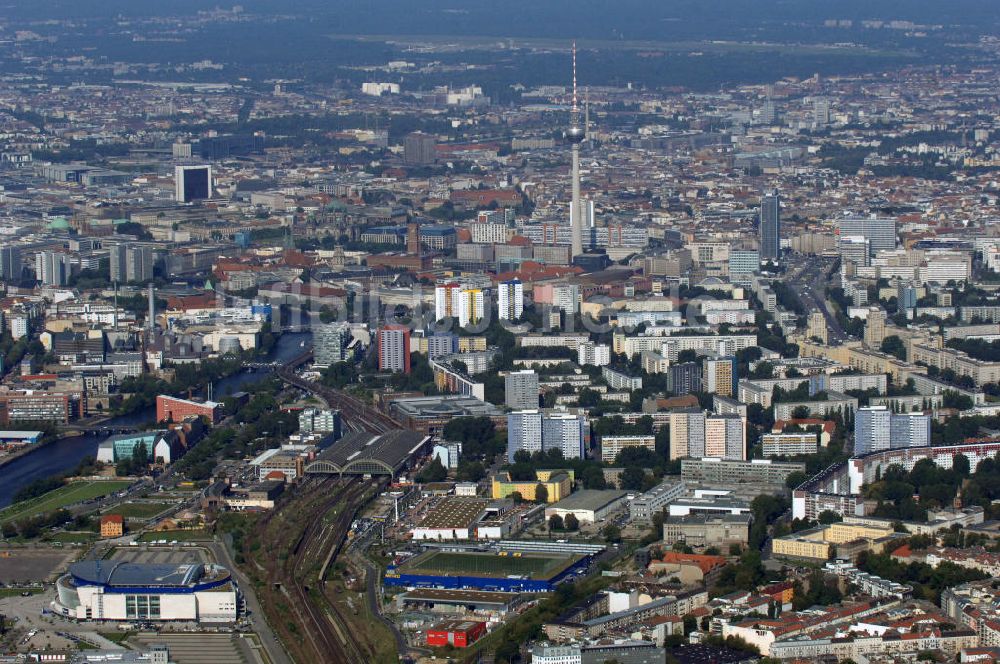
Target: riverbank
{"x":26,"y":450}
{"x":65,"y":453}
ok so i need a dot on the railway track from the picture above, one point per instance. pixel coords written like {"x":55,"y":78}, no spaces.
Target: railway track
{"x":337,"y":537}
{"x":352,"y":409}
{"x":322,"y":630}
{"x":306,"y":627}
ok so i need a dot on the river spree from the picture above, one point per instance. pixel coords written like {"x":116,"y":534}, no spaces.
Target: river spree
{"x":63,"y":455}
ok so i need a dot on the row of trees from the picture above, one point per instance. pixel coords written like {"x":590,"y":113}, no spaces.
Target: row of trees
{"x":928,"y":582}
{"x":934,"y":487}
{"x":260,"y":424}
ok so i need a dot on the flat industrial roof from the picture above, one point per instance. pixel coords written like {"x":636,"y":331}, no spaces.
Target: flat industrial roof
{"x":590,"y":499}
{"x":456,"y":405}
{"x":443,"y":596}
{"x":455,"y":513}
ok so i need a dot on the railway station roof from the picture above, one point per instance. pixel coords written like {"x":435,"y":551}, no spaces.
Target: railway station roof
{"x":365,"y":453}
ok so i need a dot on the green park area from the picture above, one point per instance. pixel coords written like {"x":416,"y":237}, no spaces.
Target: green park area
{"x":68,"y":494}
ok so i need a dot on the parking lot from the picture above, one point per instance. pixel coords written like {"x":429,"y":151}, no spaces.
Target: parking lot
{"x":162,"y":555}
{"x":204,"y":648}
{"x":27,"y":565}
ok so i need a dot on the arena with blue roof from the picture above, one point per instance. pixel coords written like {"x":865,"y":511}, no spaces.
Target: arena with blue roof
{"x":120,"y":590}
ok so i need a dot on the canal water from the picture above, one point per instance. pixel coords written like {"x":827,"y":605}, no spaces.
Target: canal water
{"x":64,"y":455}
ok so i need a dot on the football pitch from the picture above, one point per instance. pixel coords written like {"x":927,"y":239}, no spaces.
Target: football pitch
{"x":489,"y":564}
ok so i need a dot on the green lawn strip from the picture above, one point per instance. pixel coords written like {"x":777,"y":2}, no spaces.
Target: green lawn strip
{"x":69,"y":494}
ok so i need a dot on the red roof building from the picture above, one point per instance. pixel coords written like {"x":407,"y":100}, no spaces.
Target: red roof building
{"x":456,"y":633}
{"x":172,"y":409}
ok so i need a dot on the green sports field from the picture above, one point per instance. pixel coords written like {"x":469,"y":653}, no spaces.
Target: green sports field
{"x":69,"y":494}
{"x":536,"y":566}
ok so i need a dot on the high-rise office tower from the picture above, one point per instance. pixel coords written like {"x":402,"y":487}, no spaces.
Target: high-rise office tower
{"x":720,"y":376}
{"x":565,"y":432}
{"x":131,"y":262}
{"x":444,"y":300}
{"x":459,"y":301}
{"x":10,"y":263}
{"x":524,"y":432}
{"x":538,"y":431}
{"x":510,"y":299}
{"x":768,"y":112}
{"x":151,"y":320}
{"x":875,"y":327}
{"x":816,"y":327}
{"x":683,"y":378}
{"x":329,"y":343}
{"x":880,"y":233}
{"x":394,"y":348}
{"x":906,"y":295}
{"x":725,"y":436}
{"x":419,"y":149}
{"x":854,"y":249}
{"x":566,"y":297}
{"x":52,"y":268}
{"x":743,"y":264}
{"x":192,"y":183}
{"x":470,"y":306}
{"x":770,"y":226}
{"x":118,"y":263}
{"x":687,"y":433}
{"x":521,"y":390}
{"x":821,"y":111}
{"x":876,"y":428}
{"x":872,"y":429}
{"x":575,"y":135}
{"x":909,"y":430}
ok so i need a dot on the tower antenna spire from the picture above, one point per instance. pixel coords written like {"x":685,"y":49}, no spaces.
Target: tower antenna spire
{"x":575,"y":135}
{"x":575,"y":107}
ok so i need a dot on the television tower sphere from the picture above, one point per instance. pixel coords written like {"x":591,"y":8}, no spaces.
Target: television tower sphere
{"x":574,"y":134}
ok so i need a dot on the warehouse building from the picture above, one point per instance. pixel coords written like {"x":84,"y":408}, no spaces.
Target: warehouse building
{"x":588,"y":506}
{"x":451,"y":519}
{"x":431,"y":414}
{"x":458,"y":601}
{"x":455,"y":633}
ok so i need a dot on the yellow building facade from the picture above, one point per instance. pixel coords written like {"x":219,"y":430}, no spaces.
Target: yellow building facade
{"x":558,"y":484}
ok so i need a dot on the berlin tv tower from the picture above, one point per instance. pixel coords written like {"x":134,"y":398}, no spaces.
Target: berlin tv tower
{"x":575,"y":135}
